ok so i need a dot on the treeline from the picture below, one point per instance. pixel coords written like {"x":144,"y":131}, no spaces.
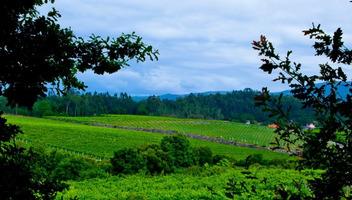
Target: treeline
{"x":232,"y":106}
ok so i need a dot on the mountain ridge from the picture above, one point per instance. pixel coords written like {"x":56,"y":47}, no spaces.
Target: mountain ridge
{"x":343,"y":91}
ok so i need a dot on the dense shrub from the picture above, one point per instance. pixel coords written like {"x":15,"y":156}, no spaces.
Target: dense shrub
{"x":127,"y":161}
{"x":179,"y":150}
{"x":283,"y":163}
{"x":203,"y":155}
{"x":219,"y":158}
{"x":78,"y":169}
{"x":259,"y":160}
{"x":69,"y":169}
{"x":254,"y":159}
{"x":28,"y":174}
{"x":156,"y":160}
{"x":172,"y":153}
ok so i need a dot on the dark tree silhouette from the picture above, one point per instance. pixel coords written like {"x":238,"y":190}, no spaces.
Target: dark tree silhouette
{"x":329,"y":147}
{"x":34,"y":53}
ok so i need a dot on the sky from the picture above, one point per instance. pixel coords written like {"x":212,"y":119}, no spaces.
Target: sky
{"x":204,"y":45}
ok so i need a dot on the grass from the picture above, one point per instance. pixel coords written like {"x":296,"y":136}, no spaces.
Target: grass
{"x":103,"y":141}
{"x":232,"y":131}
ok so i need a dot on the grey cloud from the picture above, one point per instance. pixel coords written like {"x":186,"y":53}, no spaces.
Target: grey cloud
{"x":204,"y":44}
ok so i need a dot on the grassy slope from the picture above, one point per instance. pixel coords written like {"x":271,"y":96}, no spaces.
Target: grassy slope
{"x":102,"y":142}
{"x":252,"y":134}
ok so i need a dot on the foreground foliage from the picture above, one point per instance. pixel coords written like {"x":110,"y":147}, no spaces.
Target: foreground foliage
{"x":34,"y":53}
{"x":25,"y":174}
{"x":193,"y":183}
{"x":330,"y":147}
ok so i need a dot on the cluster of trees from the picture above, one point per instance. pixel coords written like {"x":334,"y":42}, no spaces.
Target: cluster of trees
{"x":75,"y":104}
{"x":173,"y":152}
{"x":232,"y":106}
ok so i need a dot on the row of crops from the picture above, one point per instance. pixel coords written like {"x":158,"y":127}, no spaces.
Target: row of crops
{"x":230,"y":131}
{"x":80,"y":138}
{"x":197,"y":183}
{"x":102,"y":141}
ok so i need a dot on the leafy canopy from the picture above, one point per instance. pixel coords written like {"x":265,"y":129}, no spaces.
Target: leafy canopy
{"x":34,"y":53}
{"x":329,"y":147}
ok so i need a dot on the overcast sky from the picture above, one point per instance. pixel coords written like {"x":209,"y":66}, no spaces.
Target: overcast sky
{"x":204,"y":45}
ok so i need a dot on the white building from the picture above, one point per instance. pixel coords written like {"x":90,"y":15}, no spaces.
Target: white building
{"x":310,"y":126}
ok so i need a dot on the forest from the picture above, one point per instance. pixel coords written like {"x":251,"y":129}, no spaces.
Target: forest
{"x":232,"y":106}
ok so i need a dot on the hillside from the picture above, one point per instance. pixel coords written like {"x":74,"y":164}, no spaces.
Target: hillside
{"x":101,"y":142}
{"x":88,"y":143}
{"x":230,"y":131}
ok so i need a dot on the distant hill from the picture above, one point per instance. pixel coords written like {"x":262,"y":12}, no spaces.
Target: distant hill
{"x":173,"y":97}
{"x":164,"y":96}
{"x":342,"y":90}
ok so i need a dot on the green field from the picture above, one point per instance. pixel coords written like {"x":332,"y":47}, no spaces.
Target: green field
{"x":102,"y":141}
{"x":232,"y":131}
{"x":196,"y":182}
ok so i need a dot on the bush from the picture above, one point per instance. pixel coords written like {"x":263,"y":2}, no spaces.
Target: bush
{"x":283,"y":163}
{"x":203,"y":155}
{"x":127,"y":161}
{"x":69,"y":169}
{"x":254,"y":158}
{"x":156,"y":160}
{"x":218,"y":158}
{"x":28,"y":174}
{"x":77,"y":169}
{"x":173,"y":152}
{"x":178,"y":149}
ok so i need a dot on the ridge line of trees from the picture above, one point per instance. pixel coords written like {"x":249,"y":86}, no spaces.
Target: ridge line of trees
{"x":232,"y":106}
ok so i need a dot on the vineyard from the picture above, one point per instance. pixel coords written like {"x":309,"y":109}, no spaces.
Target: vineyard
{"x":230,"y":131}
{"x":97,"y":138}
{"x":194,"y":183}
{"x":101,"y":142}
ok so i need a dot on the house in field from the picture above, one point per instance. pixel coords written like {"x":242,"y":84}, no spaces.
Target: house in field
{"x":310,"y":126}
{"x":273,"y":126}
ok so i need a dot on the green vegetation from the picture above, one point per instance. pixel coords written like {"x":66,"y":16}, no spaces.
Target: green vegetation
{"x":199,"y":178}
{"x":231,"y":131}
{"x":101,"y":142}
{"x":37,"y":53}
{"x":174,"y":152}
{"x":192,"y":183}
{"x":231,"y":106}
{"x":330,"y":147}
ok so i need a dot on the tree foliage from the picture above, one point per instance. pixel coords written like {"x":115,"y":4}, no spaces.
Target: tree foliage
{"x":174,"y":152}
{"x":178,"y":149}
{"x":25,"y":174}
{"x":330,"y":147}
{"x":127,"y":161}
{"x":232,"y":106}
{"x":35,"y":52}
